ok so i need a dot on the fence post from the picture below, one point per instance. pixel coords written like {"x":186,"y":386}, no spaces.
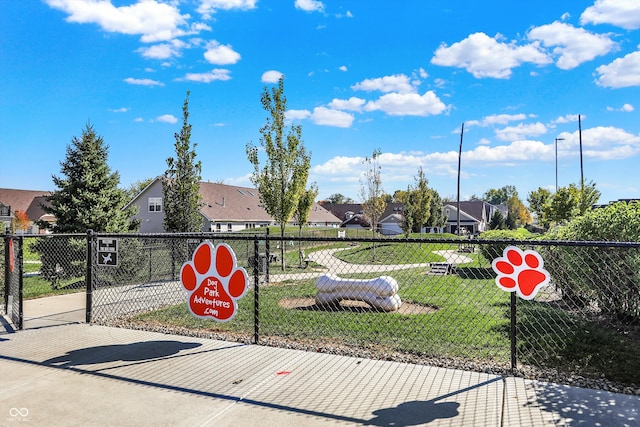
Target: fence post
{"x":513,"y":332}
{"x":89,"y":275}
{"x":20,"y":284}
{"x":7,"y":276}
{"x":256,"y":300}
{"x":267,"y":254}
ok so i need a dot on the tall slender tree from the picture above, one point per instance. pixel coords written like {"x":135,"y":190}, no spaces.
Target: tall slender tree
{"x":181,"y":182}
{"x":373,"y":201}
{"x":283,"y":177}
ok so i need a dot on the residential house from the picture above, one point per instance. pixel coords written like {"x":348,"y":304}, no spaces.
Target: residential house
{"x":227,"y":208}
{"x":29,"y":201}
{"x":352,"y":216}
{"x":475,"y":216}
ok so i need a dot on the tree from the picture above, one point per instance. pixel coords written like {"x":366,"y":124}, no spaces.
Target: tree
{"x":422,"y":202}
{"x":19,"y":221}
{"x":88,"y":196}
{"x":497,"y":221}
{"x":563,"y":205}
{"x":417,"y":203}
{"x":373,"y":202}
{"x":538,"y":201}
{"x":339,"y":199}
{"x":303,"y":210}
{"x":499,"y":196}
{"x":284,"y":175}
{"x":181,"y":183}
{"x":519,"y":212}
{"x":407,"y":221}
{"x":137,"y":187}
{"x":589,"y":196}
{"x":437,"y":218}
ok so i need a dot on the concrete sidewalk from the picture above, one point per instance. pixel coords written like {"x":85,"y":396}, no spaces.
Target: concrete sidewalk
{"x":87,"y":375}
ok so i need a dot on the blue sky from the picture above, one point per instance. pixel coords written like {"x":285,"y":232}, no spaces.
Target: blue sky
{"x":359,"y":76}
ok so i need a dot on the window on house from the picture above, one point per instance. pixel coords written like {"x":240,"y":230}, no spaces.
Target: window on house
{"x":155,"y":204}
{"x":218,"y":228}
{"x":229,"y":227}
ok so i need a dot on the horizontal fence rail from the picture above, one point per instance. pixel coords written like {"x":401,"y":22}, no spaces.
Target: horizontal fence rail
{"x":422,"y":300}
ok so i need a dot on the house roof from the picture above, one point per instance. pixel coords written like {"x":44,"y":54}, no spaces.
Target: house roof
{"x":29,"y":201}
{"x":341,"y":209}
{"x":224,"y":202}
{"x":231,"y":203}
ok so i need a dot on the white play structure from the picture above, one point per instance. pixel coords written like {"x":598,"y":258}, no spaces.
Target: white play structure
{"x":380,"y":293}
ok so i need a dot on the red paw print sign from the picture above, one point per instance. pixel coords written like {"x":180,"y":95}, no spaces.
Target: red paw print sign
{"x":214,"y":282}
{"x":520,"y":272}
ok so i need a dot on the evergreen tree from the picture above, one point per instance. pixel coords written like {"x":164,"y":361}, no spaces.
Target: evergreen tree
{"x":437,"y":217}
{"x":88,"y":196}
{"x":283,"y":178}
{"x":181,"y":183}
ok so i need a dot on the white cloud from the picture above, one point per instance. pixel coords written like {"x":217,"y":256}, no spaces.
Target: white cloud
{"x":573,"y":46}
{"x":271,"y":76}
{"x":351,"y":104}
{"x":484,"y":56}
{"x":151,"y":19}
{"x":408,"y":104}
{"x":627,"y":108}
{"x":143,"y":82}
{"x":603,"y":143}
{"x":166,"y":118}
{"x":291,"y":115}
{"x":496,"y":119}
{"x":396,"y":83}
{"x":567,"y":118}
{"x":342,"y":68}
{"x":348,"y":14}
{"x":521,"y":131}
{"x":119,"y":110}
{"x":309,"y":5}
{"x":621,"y":13}
{"x":329,"y":117}
{"x":213,"y":75}
{"x":138,"y":120}
{"x":160,"y":51}
{"x":207,"y":7}
{"x":622,"y":72}
{"x":218,"y":54}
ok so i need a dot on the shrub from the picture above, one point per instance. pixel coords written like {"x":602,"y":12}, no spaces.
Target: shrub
{"x":608,"y":276}
{"x":491,"y":251}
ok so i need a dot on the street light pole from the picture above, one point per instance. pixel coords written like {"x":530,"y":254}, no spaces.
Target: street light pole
{"x":557,"y":139}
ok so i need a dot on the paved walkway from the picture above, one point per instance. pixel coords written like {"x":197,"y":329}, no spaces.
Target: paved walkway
{"x":331,"y":264}
{"x":88,"y":375}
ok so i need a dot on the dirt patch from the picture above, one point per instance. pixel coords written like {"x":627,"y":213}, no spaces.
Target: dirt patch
{"x":406,"y":308}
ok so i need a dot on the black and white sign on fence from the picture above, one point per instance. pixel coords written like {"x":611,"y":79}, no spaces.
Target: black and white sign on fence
{"x":107,"y":251}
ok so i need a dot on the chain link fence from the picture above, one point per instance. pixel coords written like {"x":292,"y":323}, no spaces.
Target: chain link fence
{"x":428,"y":300}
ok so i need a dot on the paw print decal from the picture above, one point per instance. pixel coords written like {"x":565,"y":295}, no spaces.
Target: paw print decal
{"x":214,"y":282}
{"x":520,"y":272}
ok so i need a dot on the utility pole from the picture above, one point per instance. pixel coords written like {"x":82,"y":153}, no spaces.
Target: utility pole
{"x":459,"y":159}
{"x":581,"y":168}
{"x":557,"y":139}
